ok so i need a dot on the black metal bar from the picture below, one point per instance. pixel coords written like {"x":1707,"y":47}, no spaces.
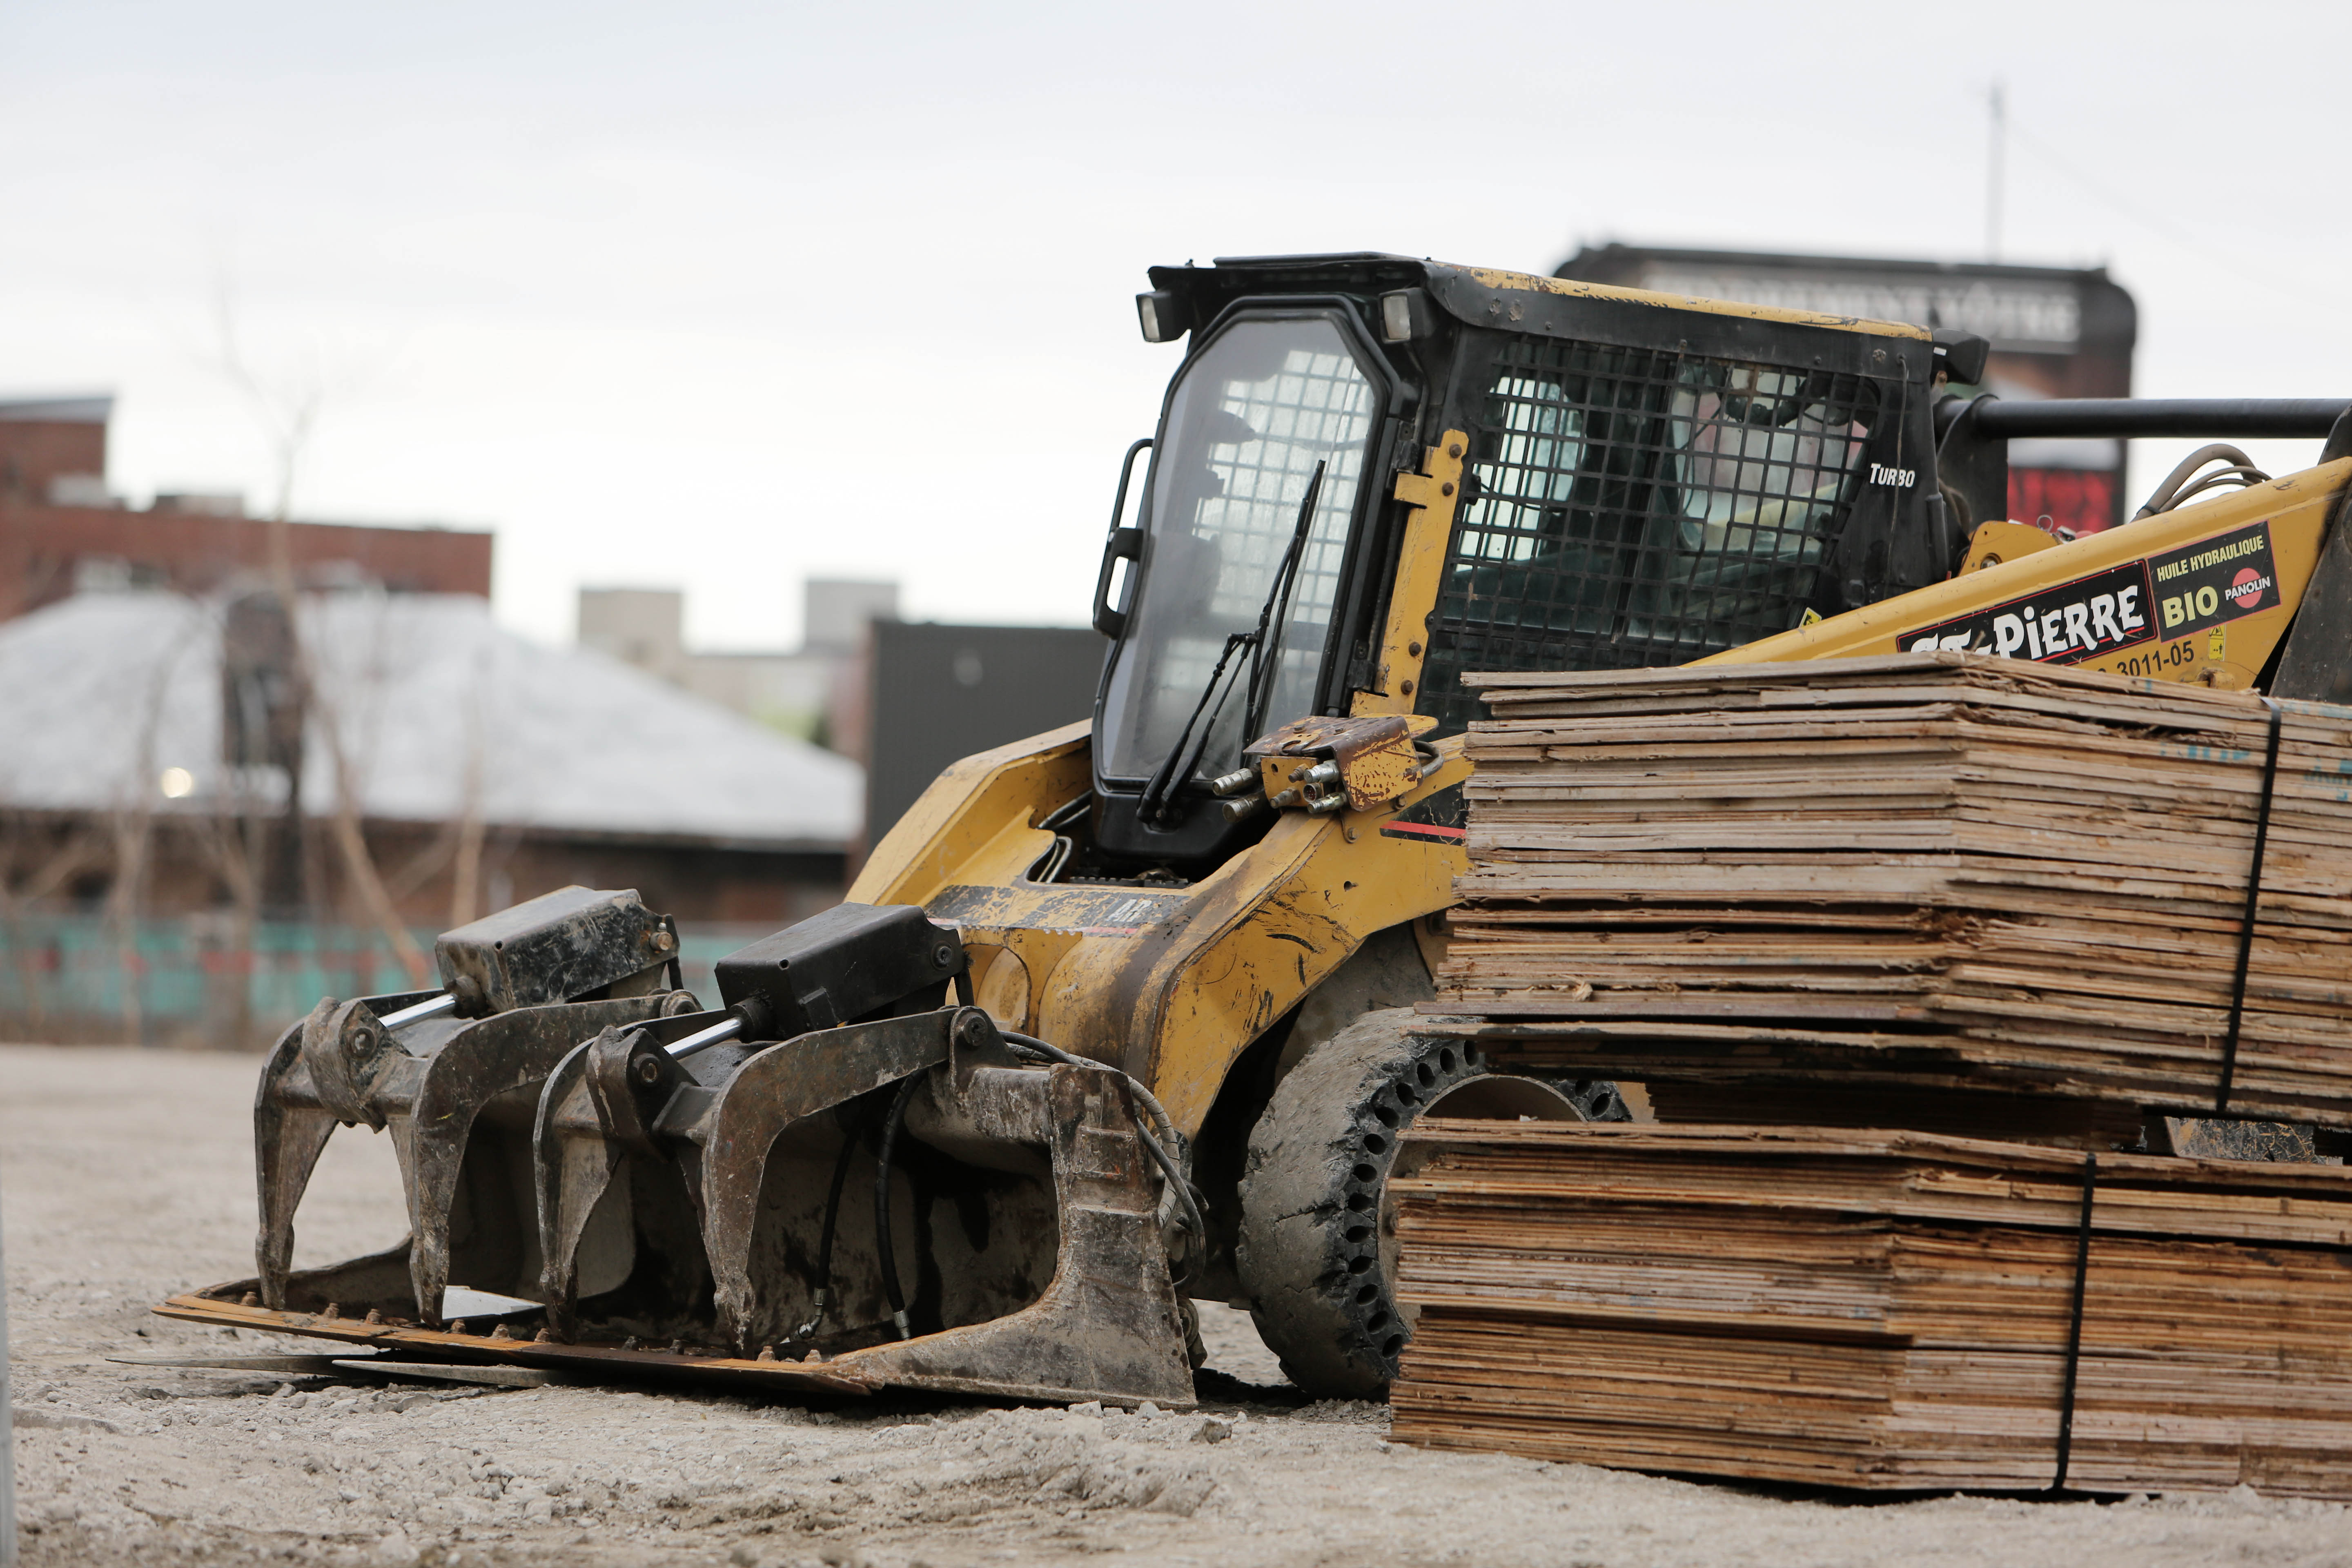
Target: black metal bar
{"x":2284,"y":419}
{"x":2254,"y":908}
{"x":2075,"y":1323}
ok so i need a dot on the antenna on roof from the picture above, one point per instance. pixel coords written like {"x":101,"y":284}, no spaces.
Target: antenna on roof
{"x":1997,"y":101}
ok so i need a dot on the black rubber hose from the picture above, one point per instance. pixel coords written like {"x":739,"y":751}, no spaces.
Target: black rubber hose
{"x":890,"y":1124}
{"x":1052,"y":1053}
{"x":1185,"y":1197}
{"x":824,"y":1296}
{"x":833,"y":1209}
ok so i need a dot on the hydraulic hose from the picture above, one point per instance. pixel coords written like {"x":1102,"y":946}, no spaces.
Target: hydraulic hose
{"x":2171,"y":493}
{"x":1180,"y":1189}
{"x":890,"y":1125}
{"x":823,"y":1297}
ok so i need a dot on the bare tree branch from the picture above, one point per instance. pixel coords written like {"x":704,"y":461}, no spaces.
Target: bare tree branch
{"x":289,"y":409}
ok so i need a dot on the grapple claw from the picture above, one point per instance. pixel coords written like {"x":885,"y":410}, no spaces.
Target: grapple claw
{"x":1022,"y":1197}
{"x":456,"y":1086}
{"x":466,"y":1142}
{"x":288,"y":1134}
{"x":842,"y":1177}
{"x":775,"y":1092}
{"x":587,"y":1125}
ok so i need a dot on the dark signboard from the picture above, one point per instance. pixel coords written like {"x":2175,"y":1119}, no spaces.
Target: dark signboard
{"x":939,"y":693}
{"x":2055,"y":332}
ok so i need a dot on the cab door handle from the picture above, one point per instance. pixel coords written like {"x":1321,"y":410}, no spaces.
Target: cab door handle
{"x":1124,"y":544}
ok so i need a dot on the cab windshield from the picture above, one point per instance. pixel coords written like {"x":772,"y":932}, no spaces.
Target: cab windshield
{"x":1252,"y":416}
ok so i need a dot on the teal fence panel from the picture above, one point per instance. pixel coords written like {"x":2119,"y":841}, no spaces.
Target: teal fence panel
{"x":81,"y":976}
{"x":186,"y":980}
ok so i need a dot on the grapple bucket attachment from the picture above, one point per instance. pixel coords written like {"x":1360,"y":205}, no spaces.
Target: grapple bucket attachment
{"x":898,"y":1200}
{"x":455,"y":1076}
{"x":625,"y":1129}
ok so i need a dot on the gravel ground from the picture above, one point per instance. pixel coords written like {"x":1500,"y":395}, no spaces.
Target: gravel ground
{"x":127,"y":1177}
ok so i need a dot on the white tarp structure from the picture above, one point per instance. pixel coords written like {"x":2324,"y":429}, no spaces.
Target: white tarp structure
{"x":440,"y":715}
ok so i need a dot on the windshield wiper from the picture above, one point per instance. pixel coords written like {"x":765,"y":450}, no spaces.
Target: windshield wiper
{"x":1179,"y":765}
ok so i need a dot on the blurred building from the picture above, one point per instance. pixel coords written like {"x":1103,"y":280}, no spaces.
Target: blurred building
{"x":2055,"y":332}
{"x":939,"y":693}
{"x":205,"y":787}
{"x":903,"y":699}
{"x":417,"y":716}
{"x":63,"y":529}
{"x":809,"y":692}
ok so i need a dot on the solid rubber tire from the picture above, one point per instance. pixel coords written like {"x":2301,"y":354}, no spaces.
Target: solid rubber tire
{"x":1309,"y":1246}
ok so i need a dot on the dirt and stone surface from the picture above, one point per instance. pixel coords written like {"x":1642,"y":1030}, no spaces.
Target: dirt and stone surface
{"x":127,"y":1177}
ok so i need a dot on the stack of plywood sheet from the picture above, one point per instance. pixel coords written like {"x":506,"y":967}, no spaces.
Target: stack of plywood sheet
{"x":1924,"y":873}
{"x":1875,"y":1310}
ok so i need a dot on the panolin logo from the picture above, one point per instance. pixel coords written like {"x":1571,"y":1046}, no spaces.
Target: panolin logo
{"x":2215,"y":580}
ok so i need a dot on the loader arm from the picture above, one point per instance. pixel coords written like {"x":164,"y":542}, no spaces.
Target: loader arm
{"x":2203,"y":594}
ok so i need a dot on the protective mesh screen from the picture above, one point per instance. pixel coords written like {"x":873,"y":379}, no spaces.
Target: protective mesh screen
{"x":1627,"y":508}
{"x":1318,"y":408}
{"x":1254,"y":417}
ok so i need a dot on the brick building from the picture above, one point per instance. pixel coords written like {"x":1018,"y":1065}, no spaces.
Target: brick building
{"x":214,"y":798}
{"x":62,"y":528}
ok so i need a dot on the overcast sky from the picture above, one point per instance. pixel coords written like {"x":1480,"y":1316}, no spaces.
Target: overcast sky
{"x":720,"y":296}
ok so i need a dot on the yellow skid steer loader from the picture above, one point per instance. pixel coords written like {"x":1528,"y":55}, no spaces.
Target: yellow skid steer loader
{"x":1119,"y":1017}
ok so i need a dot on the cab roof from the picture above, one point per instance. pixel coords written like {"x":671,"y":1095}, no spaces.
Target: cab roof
{"x":1561,"y":307}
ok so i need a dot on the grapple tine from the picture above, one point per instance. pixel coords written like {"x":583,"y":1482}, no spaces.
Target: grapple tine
{"x":772,"y":1092}
{"x":287,"y":1135}
{"x":505,"y":1055}
{"x":1108,"y":1326}
{"x":323,"y":1072}
{"x":290,"y":1141}
{"x":573,"y":1164}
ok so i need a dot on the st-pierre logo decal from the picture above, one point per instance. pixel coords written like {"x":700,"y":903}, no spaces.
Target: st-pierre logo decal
{"x":2164,"y":596}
